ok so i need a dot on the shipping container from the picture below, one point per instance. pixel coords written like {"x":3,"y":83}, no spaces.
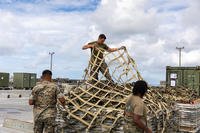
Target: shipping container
{"x":33,"y":79}
{"x":183,"y":76}
{"x":4,"y":79}
{"x":24,"y":80}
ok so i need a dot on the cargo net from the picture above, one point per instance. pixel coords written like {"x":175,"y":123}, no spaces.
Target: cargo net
{"x":97,"y":105}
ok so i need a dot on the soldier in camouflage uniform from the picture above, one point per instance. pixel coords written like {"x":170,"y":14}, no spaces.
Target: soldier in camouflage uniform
{"x":135,"y":110}
{"x":97,"y":59}
{"x":44,"y":99}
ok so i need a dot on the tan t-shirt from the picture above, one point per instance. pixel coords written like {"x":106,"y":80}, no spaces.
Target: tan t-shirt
{"x":96,"y":53}
{"x":135,"y":105}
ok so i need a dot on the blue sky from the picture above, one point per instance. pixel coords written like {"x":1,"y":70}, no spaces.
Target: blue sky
{"x":50,"y":5}
{"x":151,"y":29}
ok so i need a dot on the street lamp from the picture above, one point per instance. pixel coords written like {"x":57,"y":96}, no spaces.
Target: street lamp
{"x":51,"y":61}
{"x":180,"y":50}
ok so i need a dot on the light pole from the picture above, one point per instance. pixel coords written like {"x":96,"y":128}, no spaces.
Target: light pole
{"x":180,"y":50}
{"x":51,"y":61}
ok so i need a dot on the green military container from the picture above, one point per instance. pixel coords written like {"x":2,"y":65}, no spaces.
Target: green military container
{"x":24,"y":80}
{"x":33,"y":79}
{"x":4,"y":79}
{"x":21,"y":80}
{"x":183,"y":76}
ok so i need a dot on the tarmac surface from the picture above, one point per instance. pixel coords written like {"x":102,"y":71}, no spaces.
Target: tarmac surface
{"x":14,"y":108}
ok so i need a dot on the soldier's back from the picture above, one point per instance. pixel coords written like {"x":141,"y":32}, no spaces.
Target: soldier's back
{"x":45,"y":99}
{"x":45,"y":93}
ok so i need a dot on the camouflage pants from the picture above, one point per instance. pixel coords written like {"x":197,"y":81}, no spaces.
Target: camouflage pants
{"x":104,"y":70}
{"x":129,"y":128}
{"x":47,"y":125}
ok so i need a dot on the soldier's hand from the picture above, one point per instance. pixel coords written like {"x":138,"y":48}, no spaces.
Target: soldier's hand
{"x":148,"y":131}
{"x":92,"y":46}
{"x":122,"y":47}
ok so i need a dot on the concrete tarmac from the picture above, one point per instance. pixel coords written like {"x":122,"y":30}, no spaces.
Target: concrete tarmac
{"x":14,"y":108}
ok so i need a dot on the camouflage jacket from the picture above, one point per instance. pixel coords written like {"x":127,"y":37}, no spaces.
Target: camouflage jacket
{"x":44,"y":96}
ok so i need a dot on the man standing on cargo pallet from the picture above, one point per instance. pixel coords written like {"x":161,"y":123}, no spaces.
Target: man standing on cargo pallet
{"x":135,"y":110}
{"x":44,"y":99}
{"x":97,"y":61}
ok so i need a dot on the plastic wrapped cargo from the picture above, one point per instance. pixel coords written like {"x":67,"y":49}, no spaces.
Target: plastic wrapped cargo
{"x":188,"y":117}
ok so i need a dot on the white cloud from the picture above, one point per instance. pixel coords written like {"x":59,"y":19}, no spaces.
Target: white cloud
{"x":33,"y":36}
{"x":191,"y":58}
{"x":125,"y":17}
{"x":150,"y":29}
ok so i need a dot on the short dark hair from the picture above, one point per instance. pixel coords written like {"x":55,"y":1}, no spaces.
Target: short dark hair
{"x":140,"y":87}
{"x":102,"y":36}
{"x":46,"y":72}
